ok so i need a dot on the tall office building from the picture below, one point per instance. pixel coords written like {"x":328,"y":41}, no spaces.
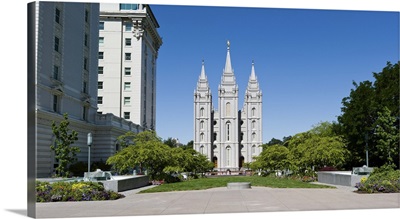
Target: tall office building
{"x":63,"y":78}
{"x":228,"y":136}
{"x":128,"y":50}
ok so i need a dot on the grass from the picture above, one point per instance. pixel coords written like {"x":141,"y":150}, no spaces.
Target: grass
{"x":207,"y":183}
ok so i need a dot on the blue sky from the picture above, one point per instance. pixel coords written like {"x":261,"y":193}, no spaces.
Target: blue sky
{"x":305,"y":60}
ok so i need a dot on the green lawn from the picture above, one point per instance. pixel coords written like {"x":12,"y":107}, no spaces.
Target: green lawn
{"x":206,"y":183}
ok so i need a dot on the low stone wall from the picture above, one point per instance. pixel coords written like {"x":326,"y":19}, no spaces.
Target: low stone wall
{"x":343,"y":178}
{"x":239,"y":185}
{"x":123,"y":183}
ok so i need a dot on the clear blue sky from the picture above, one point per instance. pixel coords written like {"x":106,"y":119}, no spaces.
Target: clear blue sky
{"x":305,"y":60}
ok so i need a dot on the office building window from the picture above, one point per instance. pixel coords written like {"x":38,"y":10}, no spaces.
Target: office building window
{"x":86,"y":16}
{"x":57,"y":44}
{"x":127,"y":56}
{"x":56,"y":72}
{"x":127,"y":86}
{"x":128,"y":26}
{"x":128,"y":6}
{"x":127,"y":71}
{"x":127,"y":101}
{"x":84,"y":88}
{"x":99,"y":100}
{"x":101,"y":41}
{"x":101,"y":70}
{"x":85,"y":63}
{"x":84,"y":113}
{"x":127,"y":115}
{"x":101,"y":25}
{"x":101,"y":55}
{"x":100,"y":85}
{"x":86,"y":40}
{"x":58,"y":15}
{"x":55,"y":103}
{"x":128,"y":41}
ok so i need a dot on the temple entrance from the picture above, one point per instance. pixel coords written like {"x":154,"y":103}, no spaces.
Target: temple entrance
{"x":215,"y":161}
{"x":241,"y":161}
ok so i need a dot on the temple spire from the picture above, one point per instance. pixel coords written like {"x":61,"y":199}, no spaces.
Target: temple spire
{"x":253,"y":72}
{"x":203,"y":72}
{"x":228,"y":66}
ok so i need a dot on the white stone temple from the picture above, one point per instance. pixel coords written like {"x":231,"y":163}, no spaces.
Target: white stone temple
{"x":229,"y":137}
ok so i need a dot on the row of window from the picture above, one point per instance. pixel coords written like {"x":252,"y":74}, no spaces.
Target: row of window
{"x":127,"y":115}
{"x":56,"y":107}
{"x":127,"y":100}
{"x":253,"y":124}
{"x":57,"y":16}
{"x":127,"y":70}
{"x":127,"y":25}
{"x":202,"y":149}
{"x":56,"y":74}
{"x":253,"y":110}
{"x":253,"y":135}
{"x":127,"y":57}
{"x":127,"y":85}
{"x":128,"y":41}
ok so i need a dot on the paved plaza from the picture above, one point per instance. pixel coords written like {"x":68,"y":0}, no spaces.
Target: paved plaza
{"x":221,"y":200}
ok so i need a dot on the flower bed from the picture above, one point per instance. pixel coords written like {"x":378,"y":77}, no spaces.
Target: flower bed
{"x":382,"y":180}
{"x":73,"y":191}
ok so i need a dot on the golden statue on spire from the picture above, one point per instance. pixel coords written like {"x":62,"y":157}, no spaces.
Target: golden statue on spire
{"x":228,"y":43}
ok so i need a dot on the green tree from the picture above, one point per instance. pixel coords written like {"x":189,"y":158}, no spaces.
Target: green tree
{"x":317,"y":148}
{"x":387,"y":136}
{"x":171,"y":142}
{"x":275,"y":157}
{"x":360,"y":113}
{"x":126,"y":139}
{"x":357,"y":119}
{"x":64,"y":152}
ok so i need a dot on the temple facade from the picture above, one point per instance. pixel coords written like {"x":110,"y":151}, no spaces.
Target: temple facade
{"x":229,"y":137}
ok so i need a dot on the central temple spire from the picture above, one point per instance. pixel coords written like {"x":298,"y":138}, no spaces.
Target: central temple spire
{"x":228,"y":66}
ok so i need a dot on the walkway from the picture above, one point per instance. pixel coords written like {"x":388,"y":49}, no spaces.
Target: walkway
{"x":221,"y":200}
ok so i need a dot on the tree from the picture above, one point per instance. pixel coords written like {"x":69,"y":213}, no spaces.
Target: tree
{"x":317,"y":148}
{"x":126,"y":139}
{"x":357,"y":119}
{"x":171,"y":142}
{"x":387,"y":136}
{"x":275,"y":157}
{"x":64,"y":152}
{"x":360,"y":113}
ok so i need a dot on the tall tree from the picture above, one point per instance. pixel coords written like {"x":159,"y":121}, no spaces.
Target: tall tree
{"x":360,"y":113}
{"x":387,"y":136}
{"x":357,"y":119}
{"x":64,"y":152}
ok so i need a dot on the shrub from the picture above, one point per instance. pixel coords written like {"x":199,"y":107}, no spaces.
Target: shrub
{"x":73,"y":191}
{"x":384,"y":179}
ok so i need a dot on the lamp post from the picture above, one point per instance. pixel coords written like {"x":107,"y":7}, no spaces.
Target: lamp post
{"x":366,"y":148}
{"x":89,"y":143}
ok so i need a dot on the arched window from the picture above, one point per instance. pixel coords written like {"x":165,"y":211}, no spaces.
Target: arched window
{"x":202,"y":125}
{"x":253,"y":136}
{"x":202,"y":137}
{"x":253,"y":124}
{"x":202,"y":112}
{"x":202,"y":149}
{"x":228,"y":109}
{"x":228,"y":155}
{"x":228,"y":126}
{"x":253,"y":111}
{"x":253,"y":149}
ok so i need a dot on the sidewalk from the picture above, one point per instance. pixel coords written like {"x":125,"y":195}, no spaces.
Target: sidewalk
{"x":221,"y":200}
